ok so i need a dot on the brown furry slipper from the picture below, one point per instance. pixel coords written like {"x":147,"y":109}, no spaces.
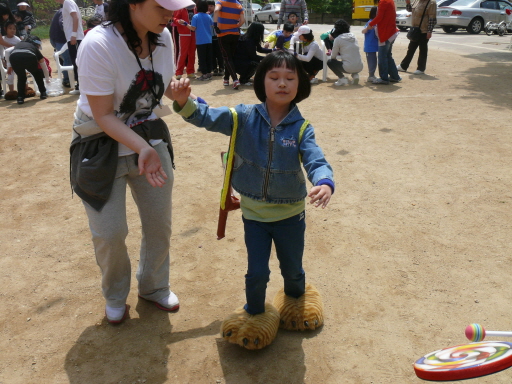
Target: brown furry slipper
{"x":304,"y":313}
{"x":251,"y":331}
{"x":11,"y":95}
{"x":29,"y":92}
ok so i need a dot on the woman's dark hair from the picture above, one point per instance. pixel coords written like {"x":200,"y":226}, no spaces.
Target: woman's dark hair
{"x":119,"y":12}
{"x":288,"y":27}
{"x":373,"y":12}
{"x":202,"y":6}
{"x":341,"y":27}
{"x":255,"y":32}
{"x":309,"y":36}
{"x":279,"y":59}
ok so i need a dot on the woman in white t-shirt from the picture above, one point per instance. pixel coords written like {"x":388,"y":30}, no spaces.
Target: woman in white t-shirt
{"x":125,"y":67}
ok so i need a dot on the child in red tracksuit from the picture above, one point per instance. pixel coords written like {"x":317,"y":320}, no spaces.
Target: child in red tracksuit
{"x":187,"y":43}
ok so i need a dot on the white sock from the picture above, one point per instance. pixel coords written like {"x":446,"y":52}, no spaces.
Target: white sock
{"x":169,"y":301}
{"x":115,"y":313}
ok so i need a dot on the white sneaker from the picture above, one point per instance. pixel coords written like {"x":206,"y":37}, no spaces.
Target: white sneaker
{"x":355,"y":79}
{"x":370,"y":79}
{"x":116,"y":315}
{"x":314,"y":80}
{"x":343,"y":81}
{"x":169,"y":303}
{"x":400,"y":69}
{"x":418,"y":72}
{"x":74,"y":92}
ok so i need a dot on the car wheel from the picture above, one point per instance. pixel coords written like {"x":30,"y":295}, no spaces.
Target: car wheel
{"x":475,"y":26}
{"x":256,"y":19}
{"x":450,"y":29}
{"x":270,"y":20}
{"x":403,"y":29}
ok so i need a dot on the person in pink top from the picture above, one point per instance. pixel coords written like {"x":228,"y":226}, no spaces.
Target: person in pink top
{"x":387,"y":33}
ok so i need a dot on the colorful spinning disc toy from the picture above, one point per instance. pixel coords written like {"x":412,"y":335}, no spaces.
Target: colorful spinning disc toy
{"x":465,"y":361}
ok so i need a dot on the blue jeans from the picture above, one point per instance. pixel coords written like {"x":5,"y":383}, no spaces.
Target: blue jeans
{"x":65,"y":57}
{"x":387,"y":66}
{"x":288,"y":237}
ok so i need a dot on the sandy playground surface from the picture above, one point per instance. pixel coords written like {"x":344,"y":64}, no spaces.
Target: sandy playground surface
{"x":414,"y":245}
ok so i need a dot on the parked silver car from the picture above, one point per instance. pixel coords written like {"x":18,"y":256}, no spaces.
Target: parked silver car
{"x":269,"y":12}
{"x":471,"y":14}
{"x":404,"y":17}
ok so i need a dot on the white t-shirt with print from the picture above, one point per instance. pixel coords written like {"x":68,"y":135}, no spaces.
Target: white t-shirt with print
{"x":107,"y":66}
{"x":68,"y":7}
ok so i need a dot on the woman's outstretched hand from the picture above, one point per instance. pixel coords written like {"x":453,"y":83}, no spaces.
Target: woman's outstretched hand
{"x":150,"y":165}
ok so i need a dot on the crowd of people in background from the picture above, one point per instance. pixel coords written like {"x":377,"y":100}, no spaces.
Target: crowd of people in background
{"x":211,"y":31}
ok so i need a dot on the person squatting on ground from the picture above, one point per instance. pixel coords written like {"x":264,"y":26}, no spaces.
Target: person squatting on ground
{"x":187,"y":42}
{"x":228,"y":17}
{"x":371,"y":46}
{"x":72,"y":25}
{"x":312,"y":57}
{"x":25,"y":57}
{"x":387,"y":33}
{"x":346,"y":46}
{"x":125,"y":67}
{"x":202,"y":25}
{"x":271,"y":136}
{"x":280,"y":39}
{"x":298,"y":7}
{"x":427,"y":26}
{"x":246,"y":59}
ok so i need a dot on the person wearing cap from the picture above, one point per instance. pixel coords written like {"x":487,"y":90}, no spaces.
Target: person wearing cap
{"x":125,"y":67}
{"x":73,"y":29}
{"x":228,"y":17}
{"x":25,"y":57}
{"x":311,"y":56}
{"x":26,"y":16}
{"x":299,"y":7}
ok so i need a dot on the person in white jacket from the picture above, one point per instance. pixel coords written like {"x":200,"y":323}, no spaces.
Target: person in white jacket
{"x":345,"y":46}
{"x":311,"y":56}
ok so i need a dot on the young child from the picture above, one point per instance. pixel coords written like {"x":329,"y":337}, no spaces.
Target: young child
{"x":92,"y":22}
{"x":272,"y":141}
{"x":202,"y":25}
{"x":11,"y":38}
{"x":20,"y":27}
{"x":293,"y":20}
{"x":185,"y":60}
{"x":371,"y":46}
{"x":280,"y":39}
{"x":218,"y":61}
{"x":345,"y":45}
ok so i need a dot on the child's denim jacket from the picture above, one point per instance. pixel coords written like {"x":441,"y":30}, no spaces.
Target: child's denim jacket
{"x":267,"y":165}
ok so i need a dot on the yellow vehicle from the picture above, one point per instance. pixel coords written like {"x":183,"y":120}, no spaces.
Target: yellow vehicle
{"x":361,"y":8}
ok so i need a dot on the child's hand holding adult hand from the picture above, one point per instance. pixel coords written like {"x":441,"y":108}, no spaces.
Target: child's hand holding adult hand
{"x":150,"y":165}
{"x":320,"y":195}
{"x":180,"y":90}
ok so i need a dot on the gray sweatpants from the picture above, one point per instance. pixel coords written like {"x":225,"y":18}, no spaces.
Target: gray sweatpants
{"x":109,"y":229}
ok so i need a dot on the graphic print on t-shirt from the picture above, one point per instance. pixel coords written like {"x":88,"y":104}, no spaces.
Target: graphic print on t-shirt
{"x":138,"y":103}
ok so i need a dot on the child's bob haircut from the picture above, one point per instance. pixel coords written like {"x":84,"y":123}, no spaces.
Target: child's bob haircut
{"x":279,"y":59}
{"x":288,"y":27}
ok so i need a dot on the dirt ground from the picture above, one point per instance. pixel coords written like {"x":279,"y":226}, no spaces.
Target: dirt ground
{"x":414,"y":246}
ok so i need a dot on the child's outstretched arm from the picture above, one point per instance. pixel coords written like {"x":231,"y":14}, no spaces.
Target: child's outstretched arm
{"x":320,"y":195}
